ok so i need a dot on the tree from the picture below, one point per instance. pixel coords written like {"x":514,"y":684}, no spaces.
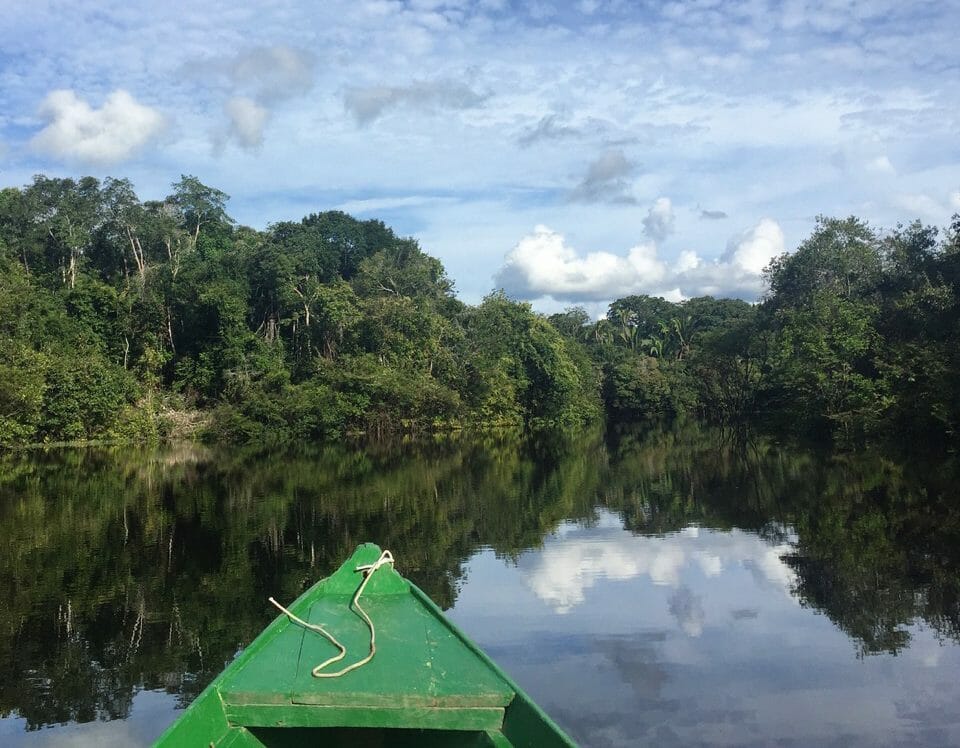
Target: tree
{"x":198,"y":205}
{"x":841,"y":258}
{"x":69,"y":213}
{"x":551,"y":385}
{"x":642,"y":312}
{"x":825,"y":304}
{"x":124,"y":219}
{"x":18,"y":228}
{"x":573,"y":323}
{"x":402,"y":269}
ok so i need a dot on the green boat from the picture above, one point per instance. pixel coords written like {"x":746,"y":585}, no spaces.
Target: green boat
{"x":363,"y":658}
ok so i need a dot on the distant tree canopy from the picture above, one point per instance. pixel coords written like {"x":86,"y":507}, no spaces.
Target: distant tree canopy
{"x":128,"y":319}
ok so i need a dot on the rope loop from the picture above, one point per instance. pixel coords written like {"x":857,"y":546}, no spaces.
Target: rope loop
{"x":367,"y":570}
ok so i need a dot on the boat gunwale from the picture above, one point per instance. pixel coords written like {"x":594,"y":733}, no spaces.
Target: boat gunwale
{"x":301,"y":606}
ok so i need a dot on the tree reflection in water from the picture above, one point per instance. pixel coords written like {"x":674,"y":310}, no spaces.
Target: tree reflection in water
{"x":123,"y":571}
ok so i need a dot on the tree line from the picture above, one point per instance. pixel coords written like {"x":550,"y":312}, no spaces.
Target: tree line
{"x":123,"y":319}
{"x":856,"y":338}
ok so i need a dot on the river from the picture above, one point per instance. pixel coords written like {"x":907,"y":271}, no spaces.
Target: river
{"x":667,"y":587}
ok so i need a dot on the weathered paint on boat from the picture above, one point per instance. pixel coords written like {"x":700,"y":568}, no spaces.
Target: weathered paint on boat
{"x":428,"y":684}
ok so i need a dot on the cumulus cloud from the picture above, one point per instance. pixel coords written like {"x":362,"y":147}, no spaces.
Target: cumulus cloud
{"x":606,"y":180}
{"x":247,"y":121}
{"x":77,"y":131}
{"x":738,"y":272}
{"x":368,"y":103}
{"x":752,"y":250}
{"x":658,"y":224}
{"x":543,"y":264}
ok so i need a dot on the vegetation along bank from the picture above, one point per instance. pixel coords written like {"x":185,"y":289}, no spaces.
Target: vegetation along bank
{"x":123,"y":319}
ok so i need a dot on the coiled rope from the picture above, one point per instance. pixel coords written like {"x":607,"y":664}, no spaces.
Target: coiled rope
{"x":367,"y":570}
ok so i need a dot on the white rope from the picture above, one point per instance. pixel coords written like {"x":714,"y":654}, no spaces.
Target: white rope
{"x":367,"y":570}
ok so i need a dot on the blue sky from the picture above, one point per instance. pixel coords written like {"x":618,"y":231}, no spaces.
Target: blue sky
{"x":569,"y":152}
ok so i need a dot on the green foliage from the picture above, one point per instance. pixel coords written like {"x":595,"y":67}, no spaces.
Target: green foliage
{"x":640,"y":387}
{"x":841,"y":259}
{"x":637,"y":388}
{"x":329,"y":325}
{"x":824,"y":307}
{"x":137,"y":422}
{"x":644,"y":313}
{"x":23,"y":386}
{"x":197,"y":206}
{"x":84,"y":396}
{"x":730,"y":366}
{"x":550,"y":383}
{"x":573,"y":323}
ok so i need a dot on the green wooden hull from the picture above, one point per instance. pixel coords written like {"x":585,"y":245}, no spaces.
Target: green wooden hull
{"x":428,"y":684}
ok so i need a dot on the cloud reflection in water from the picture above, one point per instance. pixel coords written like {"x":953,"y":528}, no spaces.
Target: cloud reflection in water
{"x":575,"y":558}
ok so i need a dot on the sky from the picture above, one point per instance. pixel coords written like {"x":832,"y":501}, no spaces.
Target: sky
{"x":569,"y":153}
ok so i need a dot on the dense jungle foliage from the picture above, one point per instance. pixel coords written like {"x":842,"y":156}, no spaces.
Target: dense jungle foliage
{"x":122,"y":320}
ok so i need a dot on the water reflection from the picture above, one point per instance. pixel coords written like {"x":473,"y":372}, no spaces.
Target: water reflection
{"x":126,"y":573}
{"x":701,"y":654}
{"x":562,"y":571}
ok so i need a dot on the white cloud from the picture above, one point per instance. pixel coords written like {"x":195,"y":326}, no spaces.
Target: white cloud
{"x":921,"y":205}
{"x":955,"y":200}
{"x":542,"y":264}
{"x":856,"y":161}
{"x":658,"y":224}
{"x":752,"y":251}
{"x":247,"y":121}
{"x":687,"y":260}
{"x":104,"y":136}
{"x":738,"y":272}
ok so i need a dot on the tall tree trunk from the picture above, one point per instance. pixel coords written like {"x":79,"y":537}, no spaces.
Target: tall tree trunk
{"x":138,"y":256}
{"x":173,"y":348}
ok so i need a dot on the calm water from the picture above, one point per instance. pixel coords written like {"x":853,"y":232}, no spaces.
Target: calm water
{"x":669,"y":588}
